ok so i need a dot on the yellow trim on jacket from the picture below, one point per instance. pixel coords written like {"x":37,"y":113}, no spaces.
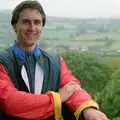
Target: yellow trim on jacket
{"x":87,"y":104}
{"x":57,"y":105}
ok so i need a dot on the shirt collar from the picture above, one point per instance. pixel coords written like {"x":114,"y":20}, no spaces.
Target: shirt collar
{"x":19,"y":52}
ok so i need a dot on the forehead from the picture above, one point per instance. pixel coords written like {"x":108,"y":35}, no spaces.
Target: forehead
{"x":30,"y":13}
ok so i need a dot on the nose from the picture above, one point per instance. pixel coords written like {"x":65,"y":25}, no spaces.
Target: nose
{"x":32,"y":26}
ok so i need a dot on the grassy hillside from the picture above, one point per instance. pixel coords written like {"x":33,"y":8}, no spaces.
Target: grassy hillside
{"x":100,"y":77}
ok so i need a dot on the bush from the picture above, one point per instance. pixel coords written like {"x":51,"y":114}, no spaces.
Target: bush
{"x":110,"y":103}
{"x":116,"y":118}
{"x":90,"y":69}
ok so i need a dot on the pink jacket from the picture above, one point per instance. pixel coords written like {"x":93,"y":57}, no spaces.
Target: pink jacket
{"x":37,"y":107}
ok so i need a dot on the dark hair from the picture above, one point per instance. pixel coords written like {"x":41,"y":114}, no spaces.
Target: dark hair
{"x":27,"y":4}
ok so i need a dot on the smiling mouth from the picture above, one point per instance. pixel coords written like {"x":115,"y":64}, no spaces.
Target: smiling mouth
{"x":30,"y":35}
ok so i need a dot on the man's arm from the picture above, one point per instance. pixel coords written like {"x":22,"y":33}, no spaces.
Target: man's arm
{"x":80,"y":96}
{"x":31,"y":106}
{"x":80,"y":101}
{"x":22,"y":104}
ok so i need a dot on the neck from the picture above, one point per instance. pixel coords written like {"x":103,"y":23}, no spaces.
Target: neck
{"x":26,"y":47}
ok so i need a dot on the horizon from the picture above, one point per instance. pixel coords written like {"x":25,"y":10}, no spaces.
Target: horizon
{"x":108,"y":17}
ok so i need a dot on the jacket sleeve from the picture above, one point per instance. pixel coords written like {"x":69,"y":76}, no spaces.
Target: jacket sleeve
{"x":80,"y":99}
{"x":22,"y":104}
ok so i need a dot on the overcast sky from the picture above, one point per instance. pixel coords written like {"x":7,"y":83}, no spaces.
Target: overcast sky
{"x":74,"y":8}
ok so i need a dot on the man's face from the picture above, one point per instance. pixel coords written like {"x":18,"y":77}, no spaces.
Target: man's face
{"x":29,"y":27}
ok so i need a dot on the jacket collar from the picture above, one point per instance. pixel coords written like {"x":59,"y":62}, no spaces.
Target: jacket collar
{"x":19,"y":52}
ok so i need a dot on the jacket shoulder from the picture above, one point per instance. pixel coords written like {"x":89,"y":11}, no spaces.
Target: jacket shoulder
{"x":54,"y":58}
{"x":6,"y":56}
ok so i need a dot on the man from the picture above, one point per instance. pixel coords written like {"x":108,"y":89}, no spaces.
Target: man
{"x":33,"y":83}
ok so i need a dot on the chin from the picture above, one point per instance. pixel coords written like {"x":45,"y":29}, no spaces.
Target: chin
{"x":30,"y":44}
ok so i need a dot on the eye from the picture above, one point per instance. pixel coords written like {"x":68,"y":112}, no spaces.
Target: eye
{"x":37,"y":22}
{"x":25,"y":21}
